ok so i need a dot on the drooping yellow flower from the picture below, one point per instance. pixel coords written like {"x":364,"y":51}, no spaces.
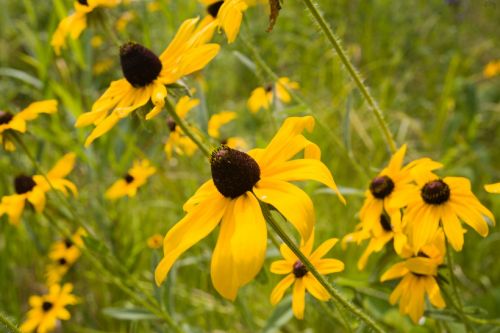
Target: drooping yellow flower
{"x":262,"y":97}
{"x":33,"y":189}
{"x":218,"y":120}
{"x":296,"y":272}
{"x":135,"y":178}
{"x":178,"y":141}
{"x":17,"y":122}
{"x":155,"y":241}
{"x":227,"y":14}
{"x":46,"y":310}
{"x":147,"y":75}
{"x":63,"y":255}
{"x":419,"y":278}
{"x":74,"y":24}
{"x":492,"y":188}
{"x":231,"y":198}
{"x":492,"y":69}
{"x":436,"y":203}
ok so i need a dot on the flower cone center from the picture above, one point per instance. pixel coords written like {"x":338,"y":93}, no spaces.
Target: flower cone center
{"x":46,"y":306}
{"x":233,"y":172}
{"x":5,"y":117}
{"x":62,"y":261}
{"x":140,"y":65}
{"x":128,"y":178}
{"x":171,"y":124}
{"x":299,"y":269}
{"x":381,"y":187}
{"x":385,"y":222}
{"x":435,"y":192}
{"x":213,"y":9}
{"x":23,"y":184}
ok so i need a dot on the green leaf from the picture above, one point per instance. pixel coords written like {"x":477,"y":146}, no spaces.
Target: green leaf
{"x":280,"y":316}
{"x":128,"y":313}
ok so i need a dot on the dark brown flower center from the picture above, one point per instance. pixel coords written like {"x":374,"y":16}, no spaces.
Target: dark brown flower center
{"x":268,"y":87}
{"x":46,"y":306}
{"x":385,"y":222}
{"x":213,"y":9}
{"x":68,"y":243}
{"x":381,"y":186}
{"x":62,"y":261}
{"x":223,"y":141}
{"x":171,"y":124}
{"x":5,"y":117}
{"x":140,"y":65}
{"x":83,"y":2}
{"x":23,"y":184}
{"x":299,"y":269}
{"x":233,"y":171}
{"x":435,"y":192}
{"x":128,"y":178}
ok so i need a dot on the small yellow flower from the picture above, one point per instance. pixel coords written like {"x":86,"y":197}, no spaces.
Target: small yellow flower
{"x":262,"y":97}
{"x":135,"y":178}
{"x":124,"y":20}
{"x":155,"y":241}
{"x":33,"y":189}
{"x":231,"y":199}
{"x":419,"y":278}
{"x":296,"y":272}
{"x":17,"y":122}
{"x":153,"y":6}
{"x":146,"y":77}
{"x":96,"y":42}
{"x":218,"y":120}
{"x":102,"y":66}
{"x":492,"y":188}
{"x":74,"y":24}
{"x":227,"y":14}
{"x":492,"y":69}
{"x":46,"y":310}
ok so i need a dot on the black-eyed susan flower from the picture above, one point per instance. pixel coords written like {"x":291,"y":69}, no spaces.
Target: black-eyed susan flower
{"x":492,"y":69}
{"x":74,"y":24}
{"x":231,"y":198}
{"x":63,"y":255}
{"x":227,"y":14}
{"x":48,"y":309}
{"x":218,"y":120}
{"x":441,"y":202}
{"x":262,"y":97}
{"x":147,"y":75}
{"x":155,"y":241}
{"x":298,"y":274}
{"x":178,"y":141}
{"x":17,"y":122}
{"x":130,"y":183}
{"x":492,"y":188}
{"x":33,"y":189}
{"x":419,"y":274}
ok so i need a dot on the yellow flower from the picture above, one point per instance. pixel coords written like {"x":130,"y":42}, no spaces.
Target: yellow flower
{"x":227,"y":14}
{"x":492,"y":69}
{"x":135,"y":178}
{"x":17,"y":122}
{"x":64,"y":254}
{"x":239,"y":181}
{"x":419,"y":278}
{"x":147,"y":75}
{"x":74,"y":24}
{"x":218,"y":120}
{"x":297,"y":272}
{"x":155,"y":241}
{"x":177,"y":141}
{"x":33,"y":189}
{"x":437,"y":202}
{"x":262,"y":97}
{"x":96,"y":42}
{"x":124,"y":20}
{"x":102,"y":66}
{"x":153,"y":6}
{"x":492,"y":188}
{"x":46,"y":310}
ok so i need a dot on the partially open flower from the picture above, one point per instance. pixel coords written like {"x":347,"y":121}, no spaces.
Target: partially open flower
{"x":131,"y":181}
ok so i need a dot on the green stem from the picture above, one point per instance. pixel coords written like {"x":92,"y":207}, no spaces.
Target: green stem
{"x":336,"y":295}
{"x":185,"y":128}
{"x":343,"y":319}
{"x":7,"y":323}
{"x":334,"y":40}
{"x":459,"y":306}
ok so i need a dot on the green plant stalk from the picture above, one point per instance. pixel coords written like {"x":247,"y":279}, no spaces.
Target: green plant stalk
{"x":180,"y":122}
{"x":7,"y":323}
{"x":343,"y":319}
{"x":459,"y":306}
{"x":334,"y":293}
{"x":335,"y":42}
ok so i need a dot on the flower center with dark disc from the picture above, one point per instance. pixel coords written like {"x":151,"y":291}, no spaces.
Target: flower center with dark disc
{"x":435,"y":192}
{"x":128,"y":178}
{"x":268,"y":87}
{"x":23,"y":184}
{"x":213,"y":9}
{"x":299,"y":269}
{"x":233,"y":171}
{"x":68,"y":243}
{"x":385,"y":222}
{"x":140,"y":65}
{"x":171,"y":124}
{"x":46,"y":306}
{"x":62,"y":261}
{"x":83,"y":2}
{"x":381,"y":186}
{"x":5,"y":117}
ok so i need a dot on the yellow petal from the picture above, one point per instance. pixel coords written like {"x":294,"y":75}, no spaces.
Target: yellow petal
{"x":328,"y":266}
{"x":299,"y":298}
{"x":420,"y":265}
{"x":204,"y":191}
{"x":196,"y":59}
{"x":281,"y":287}
{"x":105,"y":126}
{"x":37,"y":198}
{"x":258,"y":100}
{"x":432,"y":289}
{"x":281,"y":267}
{"x":218,"y":120}
{"x":395,"y":272}
{"x":230,"y":16}
{"x":315,"y":288}
{"x":492,"y":188}
{"x":63,"y":167}
{"x":453,"y":229}
{"x":397,"y":160}
{"x":323,"y":249}
{"x":471,"y":217}
{"x":34,"y":109}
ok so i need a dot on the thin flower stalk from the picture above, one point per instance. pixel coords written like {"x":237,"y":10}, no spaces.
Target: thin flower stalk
{"x":334,"y":40}
{"x":8,"y":324}
{"x":336,"y":295}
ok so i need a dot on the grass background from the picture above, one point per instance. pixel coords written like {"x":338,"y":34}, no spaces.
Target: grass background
{"x":423,"y":62}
